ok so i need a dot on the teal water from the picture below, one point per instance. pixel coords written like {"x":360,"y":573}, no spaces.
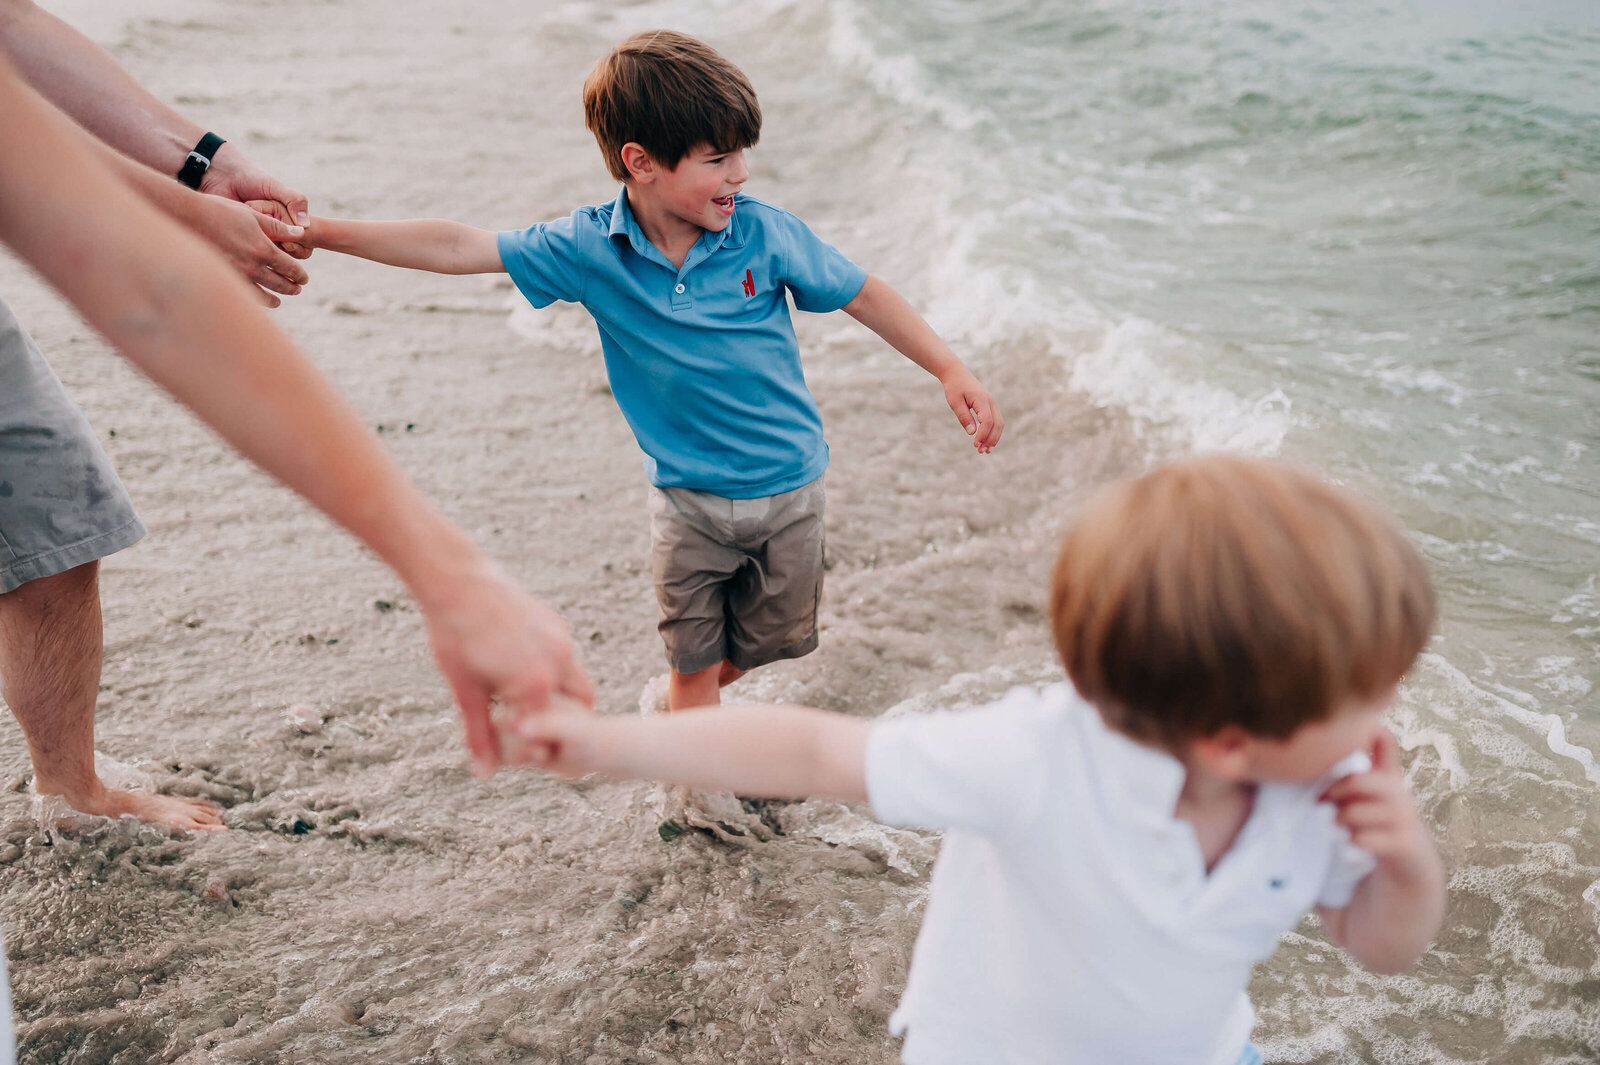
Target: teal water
{"x":1365,"y":237}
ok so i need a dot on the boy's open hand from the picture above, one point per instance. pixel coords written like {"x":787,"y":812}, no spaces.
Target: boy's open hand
{"x":975,"y":408}
{"x":1377,"y":809}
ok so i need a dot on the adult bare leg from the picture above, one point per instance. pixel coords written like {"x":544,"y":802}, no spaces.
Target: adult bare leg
{"x":50,"y":651}
{"x":686,"y":691}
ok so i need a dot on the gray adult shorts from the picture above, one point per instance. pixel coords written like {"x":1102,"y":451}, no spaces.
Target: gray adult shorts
{"x":61,"y":504}
{"x":737,"y":579}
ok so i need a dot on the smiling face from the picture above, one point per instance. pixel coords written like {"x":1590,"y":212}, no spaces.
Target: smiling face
{"x":675,"y":205}
{"x":701,"y":188}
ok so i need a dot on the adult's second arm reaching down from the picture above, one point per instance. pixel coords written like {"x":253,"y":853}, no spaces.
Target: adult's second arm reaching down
{"x":158,"y":295}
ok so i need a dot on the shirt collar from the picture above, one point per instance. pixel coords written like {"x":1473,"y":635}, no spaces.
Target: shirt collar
{"x":624,"y":224}
{"x":1146,"y":781}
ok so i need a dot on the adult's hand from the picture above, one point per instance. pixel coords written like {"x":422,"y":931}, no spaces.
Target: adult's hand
{"x":251,"y":242}
{"x":497,"y":644}
{"x":275,"y":209}
{"x":245,"y":237}
{"x":235,"y":177}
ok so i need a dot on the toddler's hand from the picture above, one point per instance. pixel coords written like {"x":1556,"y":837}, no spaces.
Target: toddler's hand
{"x":975,"y":409}
{"x":552,"y":739}
{"x":274,"y":209}
{"x":1377,"y":809}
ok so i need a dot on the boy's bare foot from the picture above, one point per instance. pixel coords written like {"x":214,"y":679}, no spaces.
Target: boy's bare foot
{"x":718,"y":812}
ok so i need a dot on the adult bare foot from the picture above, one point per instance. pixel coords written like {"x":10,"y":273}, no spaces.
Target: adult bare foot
{"x":177,"y":812}
{"x":50,"y":652}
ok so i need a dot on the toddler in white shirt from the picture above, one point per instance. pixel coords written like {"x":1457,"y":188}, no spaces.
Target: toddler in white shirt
{"x":1120,"y":851}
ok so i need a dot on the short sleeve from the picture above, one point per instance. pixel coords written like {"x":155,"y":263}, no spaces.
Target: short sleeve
{"x":545,"y":260}
{"x":816,"y":273}
{"x":983,"y":770}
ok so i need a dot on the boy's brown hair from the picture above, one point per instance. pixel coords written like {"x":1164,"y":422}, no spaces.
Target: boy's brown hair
{"x":669,"y":93}
{"x":1231,"y":591}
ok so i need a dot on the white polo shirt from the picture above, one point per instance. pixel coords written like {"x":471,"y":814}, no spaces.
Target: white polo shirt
{"x":1070,"y":917}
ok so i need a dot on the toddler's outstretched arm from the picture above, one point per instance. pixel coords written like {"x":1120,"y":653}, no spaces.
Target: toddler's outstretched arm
{"x":432,"y":244}
{"x":774,"y":752}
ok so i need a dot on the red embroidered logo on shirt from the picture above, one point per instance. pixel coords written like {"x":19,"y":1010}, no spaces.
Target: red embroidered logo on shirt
{"x":749,"y":283}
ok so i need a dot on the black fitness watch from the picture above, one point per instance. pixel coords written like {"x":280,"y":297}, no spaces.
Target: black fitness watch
{"x":199,"y":161}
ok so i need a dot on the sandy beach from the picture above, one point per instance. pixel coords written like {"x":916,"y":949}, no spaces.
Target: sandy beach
{"x":372,"y":902}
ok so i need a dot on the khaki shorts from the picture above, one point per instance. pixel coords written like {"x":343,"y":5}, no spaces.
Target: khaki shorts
{"x":61,"y":504}
{"x":737,"y":579}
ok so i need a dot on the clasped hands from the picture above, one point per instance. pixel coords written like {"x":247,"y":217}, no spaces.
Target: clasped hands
{"x":254,"y":220}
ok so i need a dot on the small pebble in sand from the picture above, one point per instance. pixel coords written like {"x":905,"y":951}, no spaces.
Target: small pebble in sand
{"x":305,"y":717}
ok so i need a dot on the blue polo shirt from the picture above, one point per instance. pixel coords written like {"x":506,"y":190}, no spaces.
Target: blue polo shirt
{"x":702,"y":360}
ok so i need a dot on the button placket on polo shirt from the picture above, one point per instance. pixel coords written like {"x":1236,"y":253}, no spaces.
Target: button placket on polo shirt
{"x":703,"y":249}
{"x":678,"y":298}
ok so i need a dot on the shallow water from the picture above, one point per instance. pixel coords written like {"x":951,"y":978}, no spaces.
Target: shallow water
{"x":1363,"y":237}
{"x":1360,"y":237}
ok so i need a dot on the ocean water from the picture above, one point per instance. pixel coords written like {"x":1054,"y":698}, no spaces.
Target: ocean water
{"x":1365,"y":237}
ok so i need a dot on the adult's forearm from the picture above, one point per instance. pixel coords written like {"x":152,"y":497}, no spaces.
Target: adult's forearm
{"x":155,"y":292}
{"x":159,"y":189}
{"x":197,"y":334}
{"x":79,"y":77}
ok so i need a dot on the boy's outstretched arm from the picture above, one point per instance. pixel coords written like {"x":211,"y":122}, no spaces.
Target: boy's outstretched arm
{"x":432,"y":244}
{"x":884,"y":311}
{"x":772,"y":752}
{"x":1397,"y":909}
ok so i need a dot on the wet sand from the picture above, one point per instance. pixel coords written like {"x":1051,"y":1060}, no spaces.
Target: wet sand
{"x":372,"y":902}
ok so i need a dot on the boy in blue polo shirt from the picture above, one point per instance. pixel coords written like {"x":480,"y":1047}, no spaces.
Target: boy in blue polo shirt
{"x":686,"y":278}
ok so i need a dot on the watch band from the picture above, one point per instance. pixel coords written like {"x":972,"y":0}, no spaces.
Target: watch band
{"x":199,"y":161}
